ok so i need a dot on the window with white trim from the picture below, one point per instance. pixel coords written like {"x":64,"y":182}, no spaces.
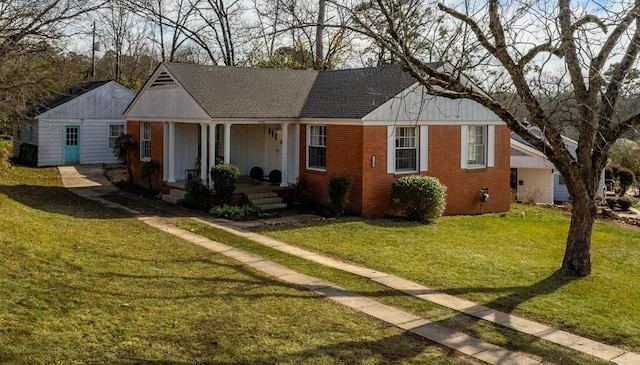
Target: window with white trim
{"x":407,"y":149}
{"x":115,"y":131}
{"x":317,"y":147}
{"x":145,"y":141}
{"x":406,"y":153}
{"x":477,"y":146}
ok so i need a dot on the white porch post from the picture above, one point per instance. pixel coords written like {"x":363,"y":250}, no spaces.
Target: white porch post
{"x":284,"y":152}
{"x":172,"y":152}
{"x":204,"y":167}
{"x":212,"y":148}
{"x":296,"y":152}
{"x":227,"y":143}
{"x":165,"y":151}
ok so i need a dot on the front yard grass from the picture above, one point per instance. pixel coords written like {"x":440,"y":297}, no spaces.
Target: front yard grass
{"x":506,"y":261}
{"x":80,"y":283}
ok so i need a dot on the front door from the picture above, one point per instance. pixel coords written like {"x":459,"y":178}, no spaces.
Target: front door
{"x":72,"y":144}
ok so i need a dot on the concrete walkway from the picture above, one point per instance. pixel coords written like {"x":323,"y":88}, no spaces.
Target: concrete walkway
{"x":420,"y":326}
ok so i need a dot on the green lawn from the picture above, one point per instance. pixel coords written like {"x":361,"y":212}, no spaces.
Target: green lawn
{"x":83,"y":284}
{"x":505,"y":261}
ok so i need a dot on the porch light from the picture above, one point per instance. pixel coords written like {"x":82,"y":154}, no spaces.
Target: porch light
{"x":373,"y":160}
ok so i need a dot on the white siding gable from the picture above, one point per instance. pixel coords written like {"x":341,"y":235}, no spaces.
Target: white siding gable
{"x":165,"y":104}
{"x":105,"y":102}
{"x":415,"y":105}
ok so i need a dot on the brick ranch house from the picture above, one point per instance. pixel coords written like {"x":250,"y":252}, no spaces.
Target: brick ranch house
{"x":373,"y":124}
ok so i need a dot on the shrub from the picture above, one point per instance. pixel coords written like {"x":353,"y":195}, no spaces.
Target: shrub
{"x":235,"y":212}
{"x":148,"y":171}
{"x":339,"y":187}
{"x":612,"y":203}
{"x":199,"y":194}
{"x":421,"y":198}
{"x":224,"y":179}
{"x":5,"y":162}
{"x":124,"y":146}
{"x":625,"y":179}
{"x":256,"y":173}
{"x":624,"y":204}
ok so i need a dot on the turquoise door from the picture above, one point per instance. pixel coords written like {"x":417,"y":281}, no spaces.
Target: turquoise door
{"x":71,"y":144}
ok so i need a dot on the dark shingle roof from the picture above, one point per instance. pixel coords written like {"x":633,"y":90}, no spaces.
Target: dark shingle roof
{"x":353,"y":93}
{"x":242,"y":92}
{"x":61,"y":97}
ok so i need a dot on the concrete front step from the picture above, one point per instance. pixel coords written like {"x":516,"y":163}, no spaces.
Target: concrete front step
{"x":271,"y":206}
{"x":262,"y":201}
{"x":175,"y":196}
{"x":261,"y":195}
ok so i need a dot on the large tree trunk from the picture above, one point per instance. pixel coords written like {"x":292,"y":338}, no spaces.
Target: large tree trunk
{"x":577,"y":256}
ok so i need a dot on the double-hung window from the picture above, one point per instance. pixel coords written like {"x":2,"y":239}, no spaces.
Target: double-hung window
{"x":145,"y":141}
{"x":405,"y":149}
{"x":115,"y":131}
{"x":317,"y":147}
{"x":478,"y":146}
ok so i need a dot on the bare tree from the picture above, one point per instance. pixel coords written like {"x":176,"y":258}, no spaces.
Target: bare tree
{"x":30,"y":33}
{"x":520,"y":41}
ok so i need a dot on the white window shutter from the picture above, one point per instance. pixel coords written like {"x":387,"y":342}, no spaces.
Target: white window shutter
{"x":391,"y":148}
{"x":464,"y":133}
{"x":491,"y":145}
{"x":423,"y":152}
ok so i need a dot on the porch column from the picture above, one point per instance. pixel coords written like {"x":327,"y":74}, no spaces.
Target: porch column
{"x":296,"y":152}
{"x":284,"y":149}
{"x":172,"y":152}
{"x":227,"y":143}
{"x":204,"y":166}
{"x":165,"y":151}
{"x":212,"y":148}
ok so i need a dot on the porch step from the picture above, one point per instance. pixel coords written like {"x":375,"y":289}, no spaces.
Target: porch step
{"x":261,"y":195}
{"x":262,"y":201}
{"x":175,"y":196}
{"x":272,"y":206}
{"x":266,"y":201}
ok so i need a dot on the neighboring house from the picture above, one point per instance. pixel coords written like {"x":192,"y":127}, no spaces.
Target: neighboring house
{"x":534,"y":178}
{"x":78,"y":125}
{"x":373,"y":124}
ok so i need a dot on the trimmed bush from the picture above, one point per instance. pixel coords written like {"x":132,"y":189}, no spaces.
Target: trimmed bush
{"x":421,"y":198}
{"x":624,"y":204}
{"x":625,"y":179}
{"x":256,"y":173}
{"x":339,"y":188}
{"x":224,"y":179}
{"x":199,"y":194}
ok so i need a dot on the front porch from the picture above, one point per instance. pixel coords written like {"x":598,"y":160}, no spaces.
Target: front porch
{"x":191,"y":149}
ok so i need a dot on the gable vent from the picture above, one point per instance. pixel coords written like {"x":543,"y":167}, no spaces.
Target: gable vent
{"x":163,"y":79}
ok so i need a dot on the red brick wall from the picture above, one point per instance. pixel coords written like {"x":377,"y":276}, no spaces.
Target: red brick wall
{"x":344,"y":157}
{"x":463,"y":186}
{"x":350,"y":150}
{"x":157,"y":152}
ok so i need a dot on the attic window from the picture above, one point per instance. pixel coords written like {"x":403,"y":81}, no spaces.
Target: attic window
{"x":163,"y":79}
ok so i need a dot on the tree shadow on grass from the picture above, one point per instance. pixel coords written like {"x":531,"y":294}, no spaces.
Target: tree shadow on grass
{"x":59,"y":200}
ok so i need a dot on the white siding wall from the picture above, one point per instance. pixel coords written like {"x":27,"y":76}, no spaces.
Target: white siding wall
{"x":166,"y":104}
{"x":186,"y":140}
{"x":537,"y":183}
{"x":94,"y":141}
{"x":93,"y":112}
{"x":51,"y":141}
{"x":415,"y":105}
